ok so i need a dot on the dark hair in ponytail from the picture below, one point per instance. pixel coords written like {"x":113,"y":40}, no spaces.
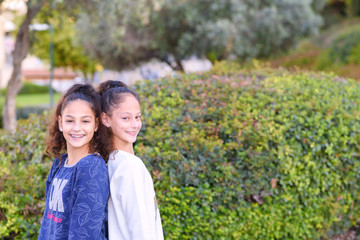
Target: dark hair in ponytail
{"x":112,"y":93}
{"x":56,"y":143}
{"x":103,"y":87}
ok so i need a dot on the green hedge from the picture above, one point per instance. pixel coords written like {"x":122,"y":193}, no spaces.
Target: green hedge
{"x":24,"y":112}
{"x":258,"y":154}
{"x":27,"y":89}
{"x":345,"y":49}
{"x":341,"y":49}
{"x":30,"y":88}
{"x":23,"y":172}
{"x":253,"y":155}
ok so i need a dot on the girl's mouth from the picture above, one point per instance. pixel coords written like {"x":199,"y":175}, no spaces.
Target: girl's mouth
{"x":77,"y":135}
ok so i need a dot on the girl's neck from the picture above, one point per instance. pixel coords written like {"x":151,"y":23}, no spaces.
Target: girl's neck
{"x":74,"y":156}
{"x":126,"y":148}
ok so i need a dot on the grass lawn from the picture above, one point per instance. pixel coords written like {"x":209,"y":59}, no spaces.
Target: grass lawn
{"x":27,"y":100}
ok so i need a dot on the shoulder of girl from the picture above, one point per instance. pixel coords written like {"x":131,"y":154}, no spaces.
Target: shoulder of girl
{"x":136,"y":164}
{"x":57,"y":163}
{"x":93,"y":159}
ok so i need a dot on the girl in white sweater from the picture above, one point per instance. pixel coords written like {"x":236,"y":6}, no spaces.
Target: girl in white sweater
{"x":132,"y":207}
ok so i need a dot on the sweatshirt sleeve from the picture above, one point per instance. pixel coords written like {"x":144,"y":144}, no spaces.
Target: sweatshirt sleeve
{"x":91,"y":192}
{"x":135,"y":194}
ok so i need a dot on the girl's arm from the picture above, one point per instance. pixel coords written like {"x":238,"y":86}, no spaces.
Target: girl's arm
{"x":91,"y":192}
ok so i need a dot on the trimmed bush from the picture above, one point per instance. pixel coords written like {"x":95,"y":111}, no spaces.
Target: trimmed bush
{"x":342,"y":48}
{"x":253,"y":155}
{"x":30,"y":88}
{"x":23,"y":172}
{"x":25,"y":112}
{"x":245,"y":154}
{"x":336,"y":50}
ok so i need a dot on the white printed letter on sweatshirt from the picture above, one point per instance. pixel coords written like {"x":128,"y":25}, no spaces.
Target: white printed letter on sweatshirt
{"x":56,"y":200}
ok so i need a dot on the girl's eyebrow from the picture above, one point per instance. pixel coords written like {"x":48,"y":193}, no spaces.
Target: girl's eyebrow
{"x":130,"y":113}
{"x":71,"y":116}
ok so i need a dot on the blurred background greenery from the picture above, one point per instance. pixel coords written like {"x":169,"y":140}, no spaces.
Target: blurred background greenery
{"x":265,"y":145}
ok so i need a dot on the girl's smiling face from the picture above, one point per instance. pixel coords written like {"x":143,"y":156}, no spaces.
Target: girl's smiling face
{"x":125,"y":123}
{"x":78,"y":124}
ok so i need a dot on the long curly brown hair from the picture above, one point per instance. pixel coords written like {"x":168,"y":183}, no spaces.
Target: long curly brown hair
{"x":100,"y":143}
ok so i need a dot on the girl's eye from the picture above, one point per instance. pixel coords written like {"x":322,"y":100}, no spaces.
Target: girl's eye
{"x":138,"y":118}
{"x":69,"y":121}
{"x":125,"y":118}
{"x":86,"y":121}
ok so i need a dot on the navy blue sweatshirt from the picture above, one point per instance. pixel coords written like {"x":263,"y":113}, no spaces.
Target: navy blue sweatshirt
{"x":76,"y":198}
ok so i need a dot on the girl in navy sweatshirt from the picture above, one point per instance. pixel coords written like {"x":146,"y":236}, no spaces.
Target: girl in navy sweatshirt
{"x":77,"y":187}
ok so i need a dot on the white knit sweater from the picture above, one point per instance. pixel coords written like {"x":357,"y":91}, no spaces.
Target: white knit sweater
{"x":133,"y":212}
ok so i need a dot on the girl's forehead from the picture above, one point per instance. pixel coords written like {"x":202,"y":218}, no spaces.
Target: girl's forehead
{"x":129,"y":104}
{"x":129,"y":96}
{"x":78,"y":105}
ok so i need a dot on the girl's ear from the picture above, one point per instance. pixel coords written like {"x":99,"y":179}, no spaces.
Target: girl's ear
{"x":105,"y":119}
{"x":60,"y":123}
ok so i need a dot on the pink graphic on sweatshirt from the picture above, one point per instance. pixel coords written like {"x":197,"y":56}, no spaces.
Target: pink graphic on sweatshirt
{"x":53,"y":218}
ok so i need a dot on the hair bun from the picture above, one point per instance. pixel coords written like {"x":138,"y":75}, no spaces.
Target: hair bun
{"x":110,"y":84}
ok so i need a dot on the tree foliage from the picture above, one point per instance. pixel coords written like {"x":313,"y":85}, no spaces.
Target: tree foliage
{"x":22,"y":46}
{"x":66,"y":53}
{"x":122,"y":28}
{"x":131,"y":31}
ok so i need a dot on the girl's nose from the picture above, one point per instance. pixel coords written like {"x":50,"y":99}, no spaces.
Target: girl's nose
{"x":135,"y":123}
{"x":76,"y":126}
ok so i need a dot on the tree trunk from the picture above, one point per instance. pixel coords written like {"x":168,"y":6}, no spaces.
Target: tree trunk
{"x":179,"y":66}
{"x":19,"y":54}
